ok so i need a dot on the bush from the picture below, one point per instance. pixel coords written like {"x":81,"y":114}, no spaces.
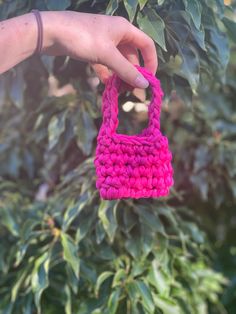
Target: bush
{"x":63,"y":250}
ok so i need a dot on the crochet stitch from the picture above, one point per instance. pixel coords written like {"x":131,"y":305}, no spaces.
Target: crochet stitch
{"x":132,"y":166}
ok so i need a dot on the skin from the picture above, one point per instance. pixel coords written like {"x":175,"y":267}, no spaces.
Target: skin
{"x":108,"y":43}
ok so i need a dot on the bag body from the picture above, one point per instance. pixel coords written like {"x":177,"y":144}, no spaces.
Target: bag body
{"x":132,"y":166}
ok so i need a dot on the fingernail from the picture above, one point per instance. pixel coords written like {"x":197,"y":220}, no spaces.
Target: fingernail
{"x":141,"y":82}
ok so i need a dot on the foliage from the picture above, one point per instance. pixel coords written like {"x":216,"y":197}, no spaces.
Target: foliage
{"x":63,"y":250}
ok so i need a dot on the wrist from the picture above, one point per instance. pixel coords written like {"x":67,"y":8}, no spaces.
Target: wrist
{"x":26,"y":26}
{"x":48,"y":18}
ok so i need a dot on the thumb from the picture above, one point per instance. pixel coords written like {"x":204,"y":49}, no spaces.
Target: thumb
{"x":125,"y":70}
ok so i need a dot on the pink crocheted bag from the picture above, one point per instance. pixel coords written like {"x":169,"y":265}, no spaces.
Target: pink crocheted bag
{"x":132,"y":166}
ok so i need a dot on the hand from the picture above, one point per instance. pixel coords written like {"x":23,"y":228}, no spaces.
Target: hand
{"x":106,"y":42}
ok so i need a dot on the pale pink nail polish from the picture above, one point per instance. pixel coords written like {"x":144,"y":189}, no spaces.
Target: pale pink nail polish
{"x":141,"y":82}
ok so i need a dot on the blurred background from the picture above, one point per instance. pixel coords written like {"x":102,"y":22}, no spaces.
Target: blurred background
{"x":62,"y":249}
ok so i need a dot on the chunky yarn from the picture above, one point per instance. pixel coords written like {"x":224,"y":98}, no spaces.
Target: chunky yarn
{"x":132,"y":166}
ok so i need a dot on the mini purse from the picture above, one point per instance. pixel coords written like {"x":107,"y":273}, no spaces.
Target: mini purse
{"x":132,"y":166}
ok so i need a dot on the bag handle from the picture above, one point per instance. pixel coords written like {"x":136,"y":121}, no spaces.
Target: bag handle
{"x":110,"y":102}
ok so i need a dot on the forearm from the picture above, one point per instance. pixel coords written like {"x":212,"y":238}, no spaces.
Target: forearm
{"x":106,"y":42}
{"x":18,"y":39}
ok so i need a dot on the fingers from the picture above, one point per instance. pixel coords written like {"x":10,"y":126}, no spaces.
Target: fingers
{"x":125,"y":69}
{"x":146,"y":45}
{"x":102,"y":71}
{"x":130,"y":53}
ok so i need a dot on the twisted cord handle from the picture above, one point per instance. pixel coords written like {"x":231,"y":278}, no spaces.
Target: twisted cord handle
{"x":110,"y":102}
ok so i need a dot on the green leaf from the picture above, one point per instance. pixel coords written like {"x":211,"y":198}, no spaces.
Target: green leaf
{"x":134,"y":245}
{"x":72,"y":279}
{"x":201,"y":183}
{"x":39,"y":279}
{"x":8,"y":220}
{"x":89,"y":272}
{"x":14,"y":162}
{"x":168,"y":212}
{"x":195,"y":9}
{"x":8,"y":309}
{"x":29,"y":163}
{"x":70,"y":252}
{"x":113,"y":301}
{"x":85,"y":131}
{"x":28,"y":305}
{"x":150,"y":219}
{"x":73,"y":211}
{"x":202,"y":158}
{"x":119,"y":277}
{"x":100,"y":232}
{"x":134,"y":309}
{"x":157,"y":278}
{"x":97,"y":311}
{"x":218,"y":49}
{"x":20,"y":254}
{"x":27,"y":228}
{"x":105,"y":251}
{"x":17,"y":285}
{"x":85,"y":224}
{"x":152,"y":24}
{"x":112,"y":7}
{"x":195,"y":232}
{"x":216,"y":6}
{"x":131,"y":8}
{"x":180,"y":30}
{"x":130,"y":219}
{"x":145,"y":293}
{"x":231,"y":27}
{"x":17,"y":86}
{"x":190,"y":66}
{"x":148,"y":239}
{"x":142,"y":3}
{"x":133,"y":290}
{"x":57,"y":5}
{"x":102,"y":277}
{"x":166,"y":305}
{"x":107,"y":214}
{"x":138,"y":268}
{"x":68,"y":305}
{"x":55,"y":128}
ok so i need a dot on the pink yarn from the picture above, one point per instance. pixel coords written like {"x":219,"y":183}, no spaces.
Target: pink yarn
{"x":132,"y":166}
